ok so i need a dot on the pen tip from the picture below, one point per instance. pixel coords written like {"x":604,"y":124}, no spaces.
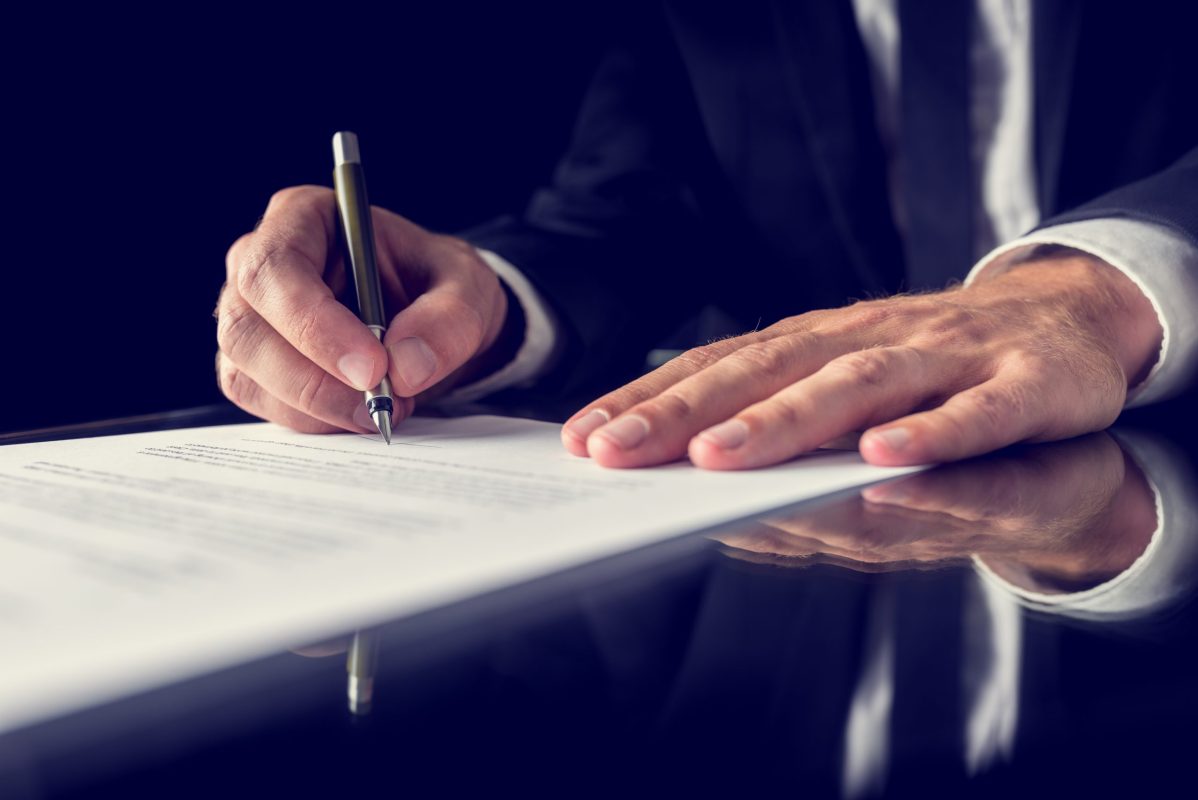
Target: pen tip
{"x":382,"y":420}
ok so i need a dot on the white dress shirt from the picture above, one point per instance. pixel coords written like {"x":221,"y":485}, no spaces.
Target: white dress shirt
{"x":1161,"y":262}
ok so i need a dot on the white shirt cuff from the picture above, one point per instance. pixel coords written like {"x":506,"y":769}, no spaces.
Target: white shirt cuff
{"x":1159,"y":576}
{"x":541,"y":335}
{"x":1160,"y":261}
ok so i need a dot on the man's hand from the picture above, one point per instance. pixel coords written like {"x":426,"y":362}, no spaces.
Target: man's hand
{"x":292,"y":353}
{"x":1044,"y":351}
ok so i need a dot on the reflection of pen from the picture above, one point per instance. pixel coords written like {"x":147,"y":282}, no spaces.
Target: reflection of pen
{"x":353,"y":209}
{"x":360,"y":662}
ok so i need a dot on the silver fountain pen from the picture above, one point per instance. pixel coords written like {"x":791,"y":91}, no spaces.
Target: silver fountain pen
{"x":353,"y":209}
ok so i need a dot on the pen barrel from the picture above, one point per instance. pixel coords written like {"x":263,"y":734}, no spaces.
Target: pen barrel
{"x":353,"y":209}
{"x":380,"y":397}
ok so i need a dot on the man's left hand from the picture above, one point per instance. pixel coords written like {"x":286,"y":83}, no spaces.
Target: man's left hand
{"x":1045,"y":350}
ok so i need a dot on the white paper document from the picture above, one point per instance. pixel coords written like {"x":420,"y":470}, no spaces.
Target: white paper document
{"x":130,"y":561}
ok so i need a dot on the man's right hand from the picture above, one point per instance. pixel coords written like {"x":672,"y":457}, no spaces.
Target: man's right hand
{"x":292,"y":353}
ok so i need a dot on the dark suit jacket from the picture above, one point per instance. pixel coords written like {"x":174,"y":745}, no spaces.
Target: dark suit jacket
{"x":729,"y":156}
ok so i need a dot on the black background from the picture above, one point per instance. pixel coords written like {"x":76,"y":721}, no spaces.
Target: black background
{"x":138,"y":146}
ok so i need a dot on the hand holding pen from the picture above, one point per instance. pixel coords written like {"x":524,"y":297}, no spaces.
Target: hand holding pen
{"x":291,"y":353}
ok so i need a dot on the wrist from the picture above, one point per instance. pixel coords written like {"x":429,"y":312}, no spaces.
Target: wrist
{"x":1099,"y":298}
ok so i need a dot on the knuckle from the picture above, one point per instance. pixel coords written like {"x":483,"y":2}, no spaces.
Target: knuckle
{"x":770,"y":359}
{"x":281,"y":196}
{"x":988,"y":409}
{"x":874,"y":314}
{"x":236,"y":250}
{"x":637,"y":392}
{"x":697,"y":358}
{"x":671,"y":406}
{"x":307,"y":326}
{"x":801,"y":323}
{"x":236,"y":386}
{"x":254,"y":269}
{"x":311,"y":388}
{"x":290,"y":193}
{"x":951,"y":425}
{"x":785,"y":414}
{"x":1027,"y":364}
{"x":1000,"y":408}
{"x":864,"y":368}
{"x":950,"y":326}
{"x":955,"y":325}
{"x":261,"y":265}
{"x":236,"y":329}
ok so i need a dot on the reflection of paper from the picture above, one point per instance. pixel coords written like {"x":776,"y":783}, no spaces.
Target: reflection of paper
{"x":129,"y":561}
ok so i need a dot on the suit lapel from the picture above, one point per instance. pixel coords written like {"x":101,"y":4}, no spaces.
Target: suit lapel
{"x":827,"y":75}
{"x":1055,"y":29}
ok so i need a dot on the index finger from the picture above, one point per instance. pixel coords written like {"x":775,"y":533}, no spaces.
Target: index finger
{"x":593,"y":415}
{"x":279,"y":271}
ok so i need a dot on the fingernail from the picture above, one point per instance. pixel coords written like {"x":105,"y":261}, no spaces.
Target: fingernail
{"x":358,"y":370}
{"x":626,"y":432}
{"x":362,"y":417}
{"x":893,"y":438}
{"x":727,"y":435}
{"x":587,"y":423}
{"x":413,"y":361}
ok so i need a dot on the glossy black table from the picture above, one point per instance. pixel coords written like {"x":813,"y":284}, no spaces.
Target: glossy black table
{"x":1020,"y":624}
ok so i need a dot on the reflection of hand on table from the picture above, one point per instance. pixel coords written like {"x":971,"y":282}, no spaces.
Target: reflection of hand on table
{"x":1052,"y":518}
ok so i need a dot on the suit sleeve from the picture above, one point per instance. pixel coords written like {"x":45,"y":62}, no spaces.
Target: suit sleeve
{"x":1149,"y":231}
{"x":613,"y":243}
{"x":1168,"y":198}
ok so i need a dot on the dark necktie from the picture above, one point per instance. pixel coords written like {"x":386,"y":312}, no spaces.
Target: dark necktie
{"x":934,"y":139}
